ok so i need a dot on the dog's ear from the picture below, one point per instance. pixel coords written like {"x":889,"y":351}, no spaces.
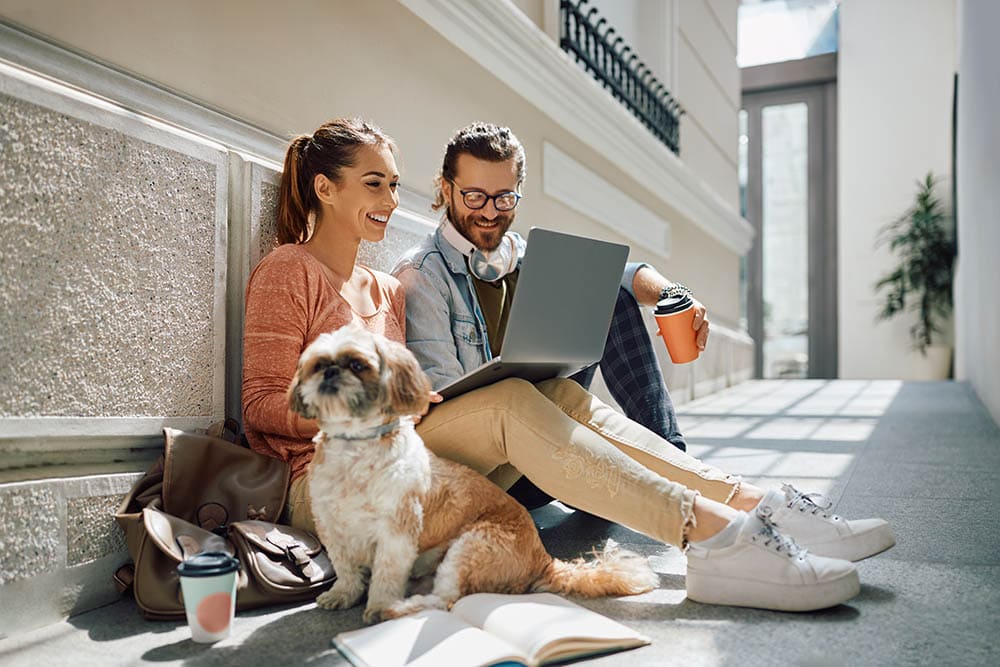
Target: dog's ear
{"x":295,"y":402}
{"x":407,"y":385}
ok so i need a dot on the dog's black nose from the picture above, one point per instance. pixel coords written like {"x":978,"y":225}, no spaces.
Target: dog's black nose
{"x":331,"y":375}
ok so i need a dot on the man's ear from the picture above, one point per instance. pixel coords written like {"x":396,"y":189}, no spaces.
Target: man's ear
{"x":408,"y":387}
{"x":446,"y":187}
{"x":326,"y":189}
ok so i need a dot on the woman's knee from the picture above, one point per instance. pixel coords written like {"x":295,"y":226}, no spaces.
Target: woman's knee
{"x":510,"y":395}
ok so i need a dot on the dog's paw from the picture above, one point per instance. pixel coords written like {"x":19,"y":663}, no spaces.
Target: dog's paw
{"x":374,"y":615}
{"x":341,"y":598}
{"x":412,"y":605}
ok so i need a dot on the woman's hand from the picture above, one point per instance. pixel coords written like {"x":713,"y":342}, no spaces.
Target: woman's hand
{"x":434,"y":397}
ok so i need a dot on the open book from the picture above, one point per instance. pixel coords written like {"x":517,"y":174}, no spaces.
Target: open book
{"x":489,"y":629}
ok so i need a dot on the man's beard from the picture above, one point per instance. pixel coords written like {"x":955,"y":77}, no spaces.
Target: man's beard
{"x":484,"y":239}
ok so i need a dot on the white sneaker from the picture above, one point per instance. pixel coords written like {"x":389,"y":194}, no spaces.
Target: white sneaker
{"x":813,"y":527}
{"x":767,"y":570}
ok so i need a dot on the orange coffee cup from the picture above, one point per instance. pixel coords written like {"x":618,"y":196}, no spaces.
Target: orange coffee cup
{"x":675,"y":318}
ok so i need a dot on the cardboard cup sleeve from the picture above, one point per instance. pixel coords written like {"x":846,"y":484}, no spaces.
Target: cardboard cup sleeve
{"x":674,"y":317}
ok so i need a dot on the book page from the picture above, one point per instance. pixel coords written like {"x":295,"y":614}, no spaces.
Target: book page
{"x":430,"y":638}
{"x":544,"y":626}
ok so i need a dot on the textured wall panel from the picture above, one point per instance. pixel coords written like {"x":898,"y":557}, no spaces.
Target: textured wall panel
{"x":108,"y":278}
{"x":59,"y":547}
{"x":265,"y":218}
{"x":383,"y":256}
{"x":31,"y":536}
{"x":91,"y":531}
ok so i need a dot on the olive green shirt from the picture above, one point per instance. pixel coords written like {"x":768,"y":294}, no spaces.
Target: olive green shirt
{"x":494,"y":301}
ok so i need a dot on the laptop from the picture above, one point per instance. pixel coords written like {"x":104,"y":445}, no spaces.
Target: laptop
{"x":561,"y":312}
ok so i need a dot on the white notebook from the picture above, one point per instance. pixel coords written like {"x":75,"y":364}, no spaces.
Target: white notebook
{"x":489,"y":629}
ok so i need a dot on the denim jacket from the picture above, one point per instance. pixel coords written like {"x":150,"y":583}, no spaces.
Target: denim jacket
{"x":445,"y":327}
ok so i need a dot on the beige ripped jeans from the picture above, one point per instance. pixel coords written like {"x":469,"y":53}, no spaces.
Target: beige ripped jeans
{"x":572,"y":446}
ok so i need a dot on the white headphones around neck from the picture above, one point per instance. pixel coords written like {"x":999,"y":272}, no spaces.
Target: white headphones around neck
{"x":488,"y":265}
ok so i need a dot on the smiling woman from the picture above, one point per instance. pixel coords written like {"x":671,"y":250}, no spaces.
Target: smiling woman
{"x":339,"y":187}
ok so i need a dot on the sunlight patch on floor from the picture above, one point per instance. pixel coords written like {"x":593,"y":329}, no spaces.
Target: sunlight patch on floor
{"x":785,"y":428}
{"x":817,"y":398}
{"x":657,"y":596}
{"x":848,"y":430}
{"x":743,"y":461}
{"x":669,"y":561}
{"x":813,"y":428}
{"x":777,"y":463}
{"x":827,"y":487}
{"x":805,"y":464}
{"x":717,"y":427}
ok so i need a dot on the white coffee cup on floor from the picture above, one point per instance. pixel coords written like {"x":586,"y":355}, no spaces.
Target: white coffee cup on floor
{"x":208,"y":584}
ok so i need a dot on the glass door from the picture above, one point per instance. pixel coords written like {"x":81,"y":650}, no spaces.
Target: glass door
{"x":787,"y":176}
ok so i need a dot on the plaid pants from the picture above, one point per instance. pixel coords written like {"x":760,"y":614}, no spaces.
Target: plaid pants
{"x":632,"y":373}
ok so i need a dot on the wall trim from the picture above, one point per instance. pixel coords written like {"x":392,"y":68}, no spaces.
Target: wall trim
{"x":498,"y":36}
{"x":587,"y":193}
{"x":27,"y":50}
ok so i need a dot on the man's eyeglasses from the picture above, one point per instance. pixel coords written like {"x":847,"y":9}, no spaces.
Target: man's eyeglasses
{"x":503,"y":202}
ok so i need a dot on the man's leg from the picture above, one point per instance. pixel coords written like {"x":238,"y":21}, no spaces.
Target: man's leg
{"x":632,"y":373}
{"x":578,"y":450}
{"x":584,"y":452}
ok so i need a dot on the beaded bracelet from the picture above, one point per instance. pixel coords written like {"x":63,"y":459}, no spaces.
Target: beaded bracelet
{"x":676,"y":289}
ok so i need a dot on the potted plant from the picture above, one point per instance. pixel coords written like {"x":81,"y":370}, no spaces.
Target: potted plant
{"x":923,"y":241}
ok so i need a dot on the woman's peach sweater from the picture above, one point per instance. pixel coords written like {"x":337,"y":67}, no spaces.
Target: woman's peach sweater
{"x":290,"y":302}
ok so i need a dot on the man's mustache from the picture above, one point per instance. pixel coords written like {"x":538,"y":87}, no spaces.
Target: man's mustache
{"x":500,"y":219}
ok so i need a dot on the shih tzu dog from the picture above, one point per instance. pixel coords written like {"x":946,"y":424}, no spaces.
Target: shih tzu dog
{"x":381,"y":499}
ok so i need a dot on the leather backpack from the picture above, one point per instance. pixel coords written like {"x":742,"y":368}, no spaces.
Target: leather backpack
{"x":208,"y":494}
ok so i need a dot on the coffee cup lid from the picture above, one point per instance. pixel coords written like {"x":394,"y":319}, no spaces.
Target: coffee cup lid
{"x":208,"y":564}
{"x":673,"y":304}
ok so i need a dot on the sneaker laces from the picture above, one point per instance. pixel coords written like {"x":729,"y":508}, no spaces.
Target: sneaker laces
{"x":769,"y":532}
{"x":807,"y":502}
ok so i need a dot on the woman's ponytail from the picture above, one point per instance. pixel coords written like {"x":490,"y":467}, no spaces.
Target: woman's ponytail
{"x":293,"y":210}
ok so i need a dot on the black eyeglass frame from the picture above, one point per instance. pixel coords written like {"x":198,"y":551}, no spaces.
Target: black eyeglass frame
{"x":465,"y":193}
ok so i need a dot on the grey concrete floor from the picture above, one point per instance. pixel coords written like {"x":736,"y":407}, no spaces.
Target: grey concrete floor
{"x":925,"y":456}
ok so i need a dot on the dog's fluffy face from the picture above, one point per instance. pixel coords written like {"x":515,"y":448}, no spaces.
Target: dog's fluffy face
{"x":353,"y":376}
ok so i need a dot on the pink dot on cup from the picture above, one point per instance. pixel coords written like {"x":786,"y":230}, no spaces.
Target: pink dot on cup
{"x":213,"y":612}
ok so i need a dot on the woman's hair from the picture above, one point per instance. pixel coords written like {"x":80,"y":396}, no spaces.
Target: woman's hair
{"x":484,"y":141}
{"x":328,"y":150}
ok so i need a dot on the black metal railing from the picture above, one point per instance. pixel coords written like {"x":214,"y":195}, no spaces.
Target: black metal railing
{"x":613,"y":62}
